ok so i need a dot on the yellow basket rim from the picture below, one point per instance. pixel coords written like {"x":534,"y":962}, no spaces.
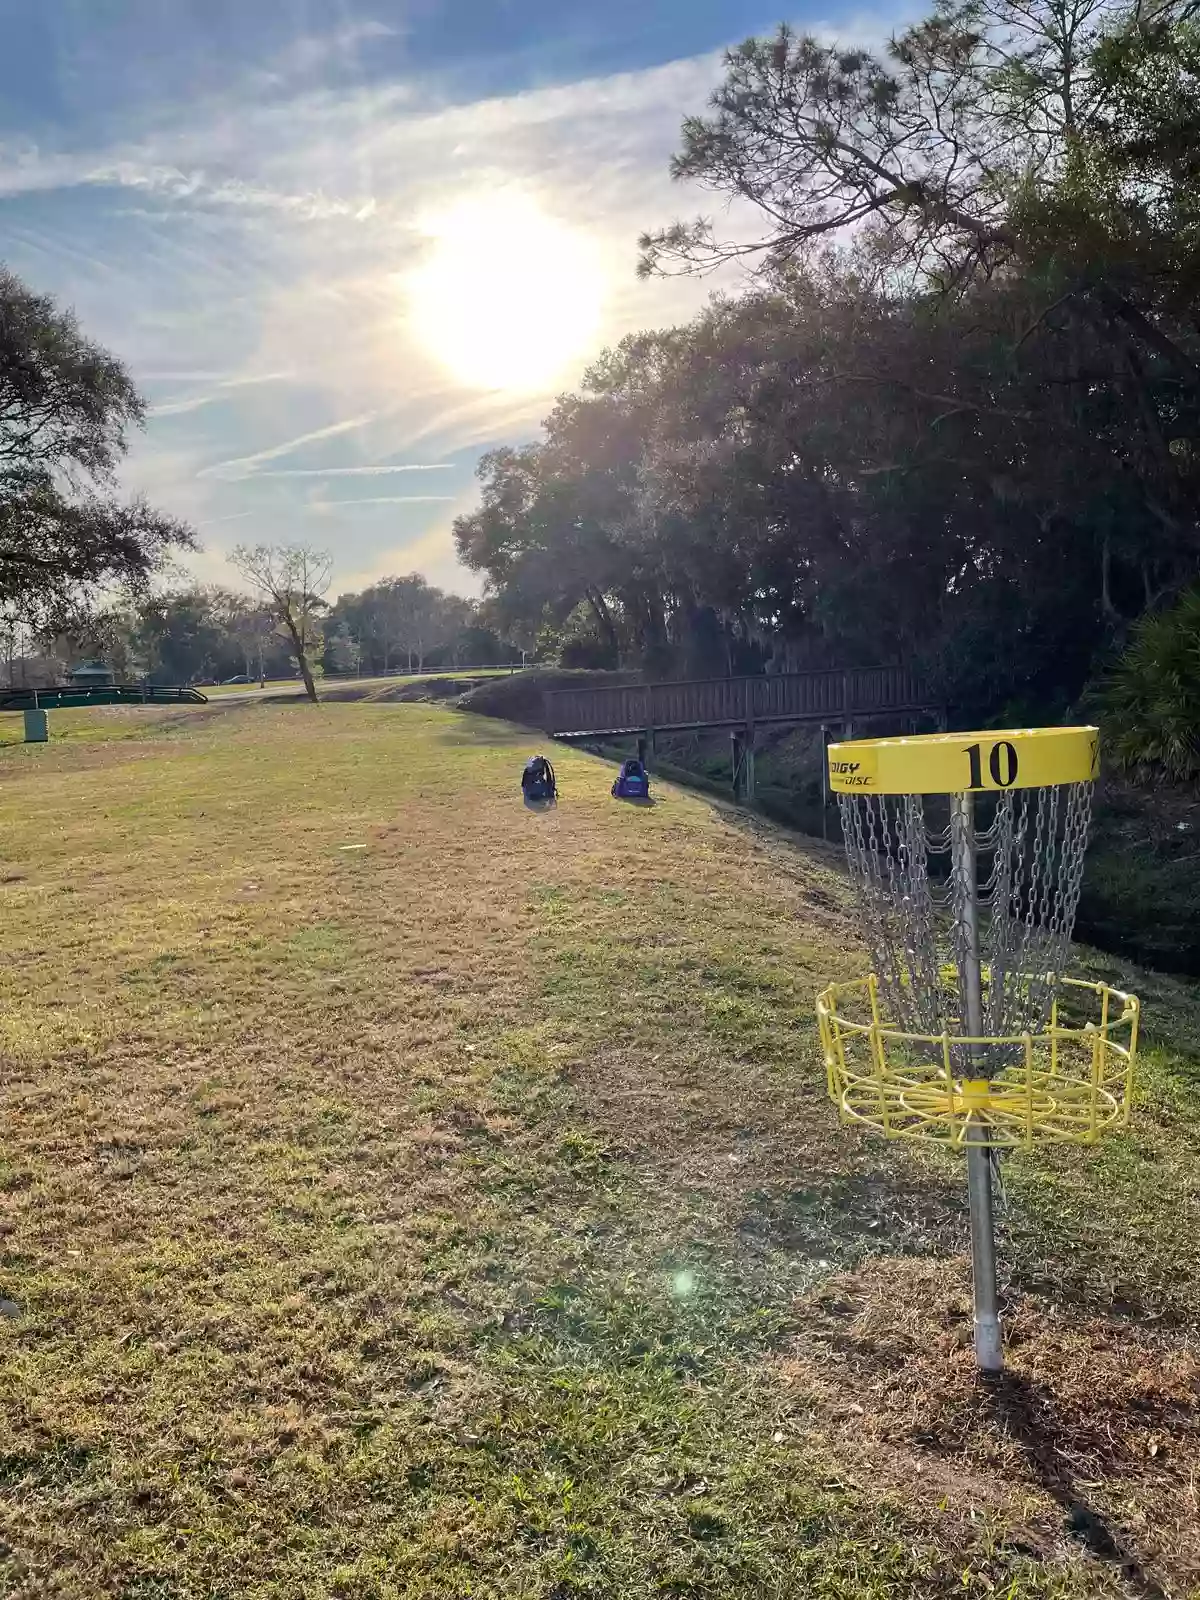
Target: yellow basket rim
{"x":1130,"y":1009}
{"x":955,"y":763}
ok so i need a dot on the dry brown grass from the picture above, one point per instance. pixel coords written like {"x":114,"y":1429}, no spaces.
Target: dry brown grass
{"x":1093,"y":1430}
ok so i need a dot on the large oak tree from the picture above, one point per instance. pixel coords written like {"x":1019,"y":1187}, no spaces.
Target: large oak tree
{"x":67,"y":408}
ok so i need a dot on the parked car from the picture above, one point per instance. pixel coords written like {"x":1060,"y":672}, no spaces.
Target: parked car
{"x":239,"y":678}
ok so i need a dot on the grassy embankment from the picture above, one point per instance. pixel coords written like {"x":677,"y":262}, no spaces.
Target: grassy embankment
{"x":408,"y":1195}
{"x":356,"y":687}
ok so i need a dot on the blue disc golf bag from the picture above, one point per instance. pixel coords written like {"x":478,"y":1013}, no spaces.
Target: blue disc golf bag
{"x":633,"y":782}
{"x":537,"y":780}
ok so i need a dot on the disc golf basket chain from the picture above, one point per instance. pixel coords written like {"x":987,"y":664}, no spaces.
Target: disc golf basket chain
{"x":967,"y":852}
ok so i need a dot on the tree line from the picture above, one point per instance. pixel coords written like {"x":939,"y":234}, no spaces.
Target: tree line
{"x":953,"y":417}
{"x":209,"y":633}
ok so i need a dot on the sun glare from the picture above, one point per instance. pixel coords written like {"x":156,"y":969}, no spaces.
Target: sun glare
{"x":508,"y":297}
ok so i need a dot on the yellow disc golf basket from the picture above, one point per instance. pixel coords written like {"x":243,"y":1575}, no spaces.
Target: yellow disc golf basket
{"x":967,"y":852}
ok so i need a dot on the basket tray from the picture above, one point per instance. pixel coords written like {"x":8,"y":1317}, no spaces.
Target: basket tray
{"x":1067,"y":1083}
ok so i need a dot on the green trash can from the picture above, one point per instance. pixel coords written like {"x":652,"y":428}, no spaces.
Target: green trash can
{"x":37,"y":729}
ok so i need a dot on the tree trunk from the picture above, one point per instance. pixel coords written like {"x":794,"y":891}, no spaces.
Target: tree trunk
{"x":604,"y":617}
{"x":310,"y":687}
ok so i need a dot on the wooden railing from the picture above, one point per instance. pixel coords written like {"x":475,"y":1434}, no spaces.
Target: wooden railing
{"x":736,"y":702}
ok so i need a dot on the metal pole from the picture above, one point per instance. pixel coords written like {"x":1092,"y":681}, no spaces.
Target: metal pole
{"x":989,"y":1348}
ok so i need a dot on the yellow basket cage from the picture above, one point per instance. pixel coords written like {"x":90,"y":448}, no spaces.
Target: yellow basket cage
{"x":1067,"y":1083}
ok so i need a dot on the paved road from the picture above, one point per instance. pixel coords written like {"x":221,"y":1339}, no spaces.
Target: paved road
{"x":291,"y":691}
{"x":275,"y":691}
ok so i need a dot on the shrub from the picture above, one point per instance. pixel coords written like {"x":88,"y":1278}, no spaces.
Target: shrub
{"x":1151,"y":701}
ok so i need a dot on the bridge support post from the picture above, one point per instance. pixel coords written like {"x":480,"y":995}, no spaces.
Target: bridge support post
{"x":741,"y":742}
{"x":645,"y":748}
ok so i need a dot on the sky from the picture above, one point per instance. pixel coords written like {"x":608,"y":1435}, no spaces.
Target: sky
{"x":347,"y":246}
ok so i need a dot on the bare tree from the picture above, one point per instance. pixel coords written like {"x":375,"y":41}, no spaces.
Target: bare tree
{"x":417,"y":607}
{"x":408,"y":617}
{"x":293,"y":579}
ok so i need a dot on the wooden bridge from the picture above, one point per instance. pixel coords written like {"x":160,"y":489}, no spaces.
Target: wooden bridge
{"x":739,"y":704}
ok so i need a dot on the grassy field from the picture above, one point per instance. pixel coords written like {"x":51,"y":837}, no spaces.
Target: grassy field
{"x":405,"y":1194}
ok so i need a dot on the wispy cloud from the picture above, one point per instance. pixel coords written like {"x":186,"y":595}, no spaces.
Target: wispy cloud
{"x":244,"y":466}
{"x":310,"y":53}
{"x":477,"y":419}
{"x":326,"y":507}
{"x":378,"y":471}
{"x":234,"y":516}
{"x":223,"y":389}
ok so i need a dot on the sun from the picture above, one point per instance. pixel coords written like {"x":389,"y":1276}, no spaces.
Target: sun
{"x":508,"y":297}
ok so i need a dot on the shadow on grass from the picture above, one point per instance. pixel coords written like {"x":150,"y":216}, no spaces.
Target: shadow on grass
{"x":481,"y":731}
{"x":1089,"y":1279}
{"x":1027,"y":1411}
{"x":847,"y":1218}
